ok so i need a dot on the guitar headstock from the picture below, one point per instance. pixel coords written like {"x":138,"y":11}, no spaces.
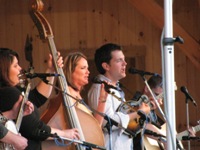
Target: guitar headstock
{"x":40,"y":21}
{"x":23,"y":80}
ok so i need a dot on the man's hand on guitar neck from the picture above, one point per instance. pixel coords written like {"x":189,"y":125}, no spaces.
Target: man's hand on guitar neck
{"x":192,"y":132}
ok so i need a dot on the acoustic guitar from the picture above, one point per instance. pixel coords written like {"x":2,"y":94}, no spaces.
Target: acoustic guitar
{"x":152,"y":144}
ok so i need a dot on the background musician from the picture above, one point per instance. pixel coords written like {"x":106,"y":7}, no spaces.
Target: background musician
{"x":155,"y":83}
{"x":111,"y":64}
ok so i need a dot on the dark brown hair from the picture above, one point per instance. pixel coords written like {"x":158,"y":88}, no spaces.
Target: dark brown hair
{"x":103,"y":54}
{"x":6,"y":59}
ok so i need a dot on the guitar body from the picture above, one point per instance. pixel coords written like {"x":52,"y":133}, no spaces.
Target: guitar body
{"x":10,"y":125}
{"x":150,"y":144}
{"x":127,"y":108}
{"x":133,"y":106}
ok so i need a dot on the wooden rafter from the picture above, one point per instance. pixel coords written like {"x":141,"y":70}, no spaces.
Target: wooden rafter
{"x":155,"y":14}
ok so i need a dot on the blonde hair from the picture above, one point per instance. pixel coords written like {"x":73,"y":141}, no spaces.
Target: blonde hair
{"x":70,"y":63}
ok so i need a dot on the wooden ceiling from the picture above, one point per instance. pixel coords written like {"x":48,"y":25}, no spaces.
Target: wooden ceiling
{"x":190,"y":48}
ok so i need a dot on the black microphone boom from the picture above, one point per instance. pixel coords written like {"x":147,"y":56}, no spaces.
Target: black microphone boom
{"x":144,"y":117}
{"x":140,"y":72}
{"x":155,"y":134}
{"x":41,"y":75}
{"x":185,"y":91}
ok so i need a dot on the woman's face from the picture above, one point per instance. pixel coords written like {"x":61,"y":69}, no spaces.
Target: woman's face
{"x":81,"y":73}
{"x":14,"y":71}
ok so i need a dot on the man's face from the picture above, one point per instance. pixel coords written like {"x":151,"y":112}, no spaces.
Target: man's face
{"x":158,"y":93}
{"x":116,"y":69}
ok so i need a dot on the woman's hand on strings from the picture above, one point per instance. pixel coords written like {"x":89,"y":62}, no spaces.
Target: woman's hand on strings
{"x":59,"y":62}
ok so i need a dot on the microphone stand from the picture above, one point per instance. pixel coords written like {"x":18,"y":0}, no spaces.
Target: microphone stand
{"x":154,"y":98}
{"x":187,"y":98}
{"x":187,"y":115}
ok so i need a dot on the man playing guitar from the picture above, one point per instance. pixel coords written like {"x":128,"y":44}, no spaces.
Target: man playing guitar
{"x":153,"y":132}
{"x":6,"y":136}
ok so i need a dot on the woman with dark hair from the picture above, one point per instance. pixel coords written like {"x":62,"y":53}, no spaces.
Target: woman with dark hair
{"x":31,"y":126}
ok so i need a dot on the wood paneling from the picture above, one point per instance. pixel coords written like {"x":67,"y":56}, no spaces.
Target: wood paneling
{"x":136,"y":25}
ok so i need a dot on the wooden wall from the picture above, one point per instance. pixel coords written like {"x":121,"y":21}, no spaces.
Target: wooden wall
{"x":84,"y":25}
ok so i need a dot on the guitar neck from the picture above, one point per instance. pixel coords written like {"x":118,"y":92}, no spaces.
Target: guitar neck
{"x":185,"y":133}
{"x":196,"y":128}
{"x":21,"y":110}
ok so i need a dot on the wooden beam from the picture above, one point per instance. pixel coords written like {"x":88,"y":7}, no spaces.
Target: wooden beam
{"x":152,"y":11}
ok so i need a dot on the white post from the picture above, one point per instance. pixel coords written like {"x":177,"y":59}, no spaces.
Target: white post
{"x":168,"y":75}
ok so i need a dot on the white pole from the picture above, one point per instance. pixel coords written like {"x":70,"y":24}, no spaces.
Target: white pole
{"x":168,"y":75}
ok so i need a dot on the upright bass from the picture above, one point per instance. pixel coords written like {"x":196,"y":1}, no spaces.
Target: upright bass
{"x":60,"y":114}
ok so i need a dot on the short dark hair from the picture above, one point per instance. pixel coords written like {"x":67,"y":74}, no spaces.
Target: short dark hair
{"x":155,"y":81}
{"x":6,"y":58}
{"x":103,"y":54}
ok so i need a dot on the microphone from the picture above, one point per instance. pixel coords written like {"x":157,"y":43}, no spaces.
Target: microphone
{"x":185,"y":91}
{"x":140,"y":72}
{"x":41,"y":75}
{"x":155,"y":134}
{"x":43,"y":134}
{"x":107,"y":86}
{"x":190,"y":138}
{"x":111,"y":122}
